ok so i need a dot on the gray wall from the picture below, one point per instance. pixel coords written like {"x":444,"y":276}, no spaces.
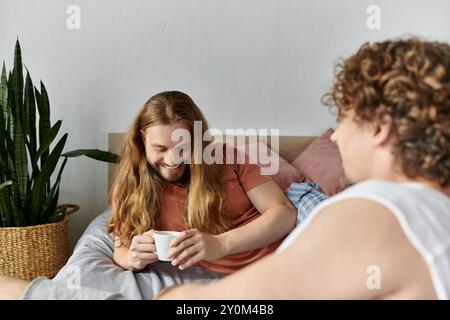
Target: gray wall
{"x":247,"y":63}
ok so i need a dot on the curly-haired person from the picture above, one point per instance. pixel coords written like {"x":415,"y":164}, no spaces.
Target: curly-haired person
{"x":386,"y":236}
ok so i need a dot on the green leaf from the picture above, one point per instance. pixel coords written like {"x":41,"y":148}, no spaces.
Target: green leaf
{"x":3,"y":119}
{"x":11,"y":106}
{"x":49,"y":206}
{"x":5,"y":208}
{"x":17,"y":81}
{"x":18,"y":73}
{"x":11,"y":170}
{"x":51,"y":201}
{"x":6,"y":183}
{"x":96,"y":154}
{"x":16,"y":212}
{"x":58,"y":216}
{"x":43,"y":178}
{"x":3,"y":168}
{"x":44,"y":118}
{"x":30,"y":107}
{"x":20,"y":163}
{"x":3,"y":92}
{"x":13,"y":197}
{"x":44,"y":146}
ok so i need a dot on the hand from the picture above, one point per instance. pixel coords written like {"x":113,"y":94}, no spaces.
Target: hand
{"x":192,"y":246}
{"x":142,"y":251}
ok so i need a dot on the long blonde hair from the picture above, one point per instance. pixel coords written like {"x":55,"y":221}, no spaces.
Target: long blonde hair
{"x":137,"y":186}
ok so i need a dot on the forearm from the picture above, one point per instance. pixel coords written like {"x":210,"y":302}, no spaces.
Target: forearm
{"x":271,"y":226}
{"x":120,"y":257}
{"x":249,"y":283}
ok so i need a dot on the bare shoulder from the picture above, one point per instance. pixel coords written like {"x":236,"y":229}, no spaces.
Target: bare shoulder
{"x":361,"y":211}
{"x":332,"y":259}
{"x":373,"y":224}
{"x":361,"y":218}
{"x":362,"y":234}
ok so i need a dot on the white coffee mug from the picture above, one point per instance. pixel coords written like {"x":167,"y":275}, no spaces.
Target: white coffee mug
{"x":162,"y":243}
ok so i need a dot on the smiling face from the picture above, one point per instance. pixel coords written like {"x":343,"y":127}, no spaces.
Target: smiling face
{"x":164,"y":155}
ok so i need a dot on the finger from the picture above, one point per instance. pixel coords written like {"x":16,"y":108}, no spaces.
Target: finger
{"x":150,"y":234}
{"x":133,"y":246}
{"x":186,"y":253}
{"x":144,"y":256}
{"x":147,"y":247}
{"x":191,"y":261}
{"x":143,"y":247}
{"x":135,"y":239}
{"x":140,"y":239}
{"x":174,"y":252}
{"x":146,"y":238}
{"x":183,"y":235}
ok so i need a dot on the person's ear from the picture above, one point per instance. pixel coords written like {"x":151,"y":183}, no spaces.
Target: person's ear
{"x":382,"y":130}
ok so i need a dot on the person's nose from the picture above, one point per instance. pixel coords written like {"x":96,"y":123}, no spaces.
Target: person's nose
{"x":171,"y":158}
{"x":333,"y":136}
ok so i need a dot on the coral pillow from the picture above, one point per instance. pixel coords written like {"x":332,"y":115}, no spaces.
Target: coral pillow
{"x":322,"y":163}
{"x":286,"y":173}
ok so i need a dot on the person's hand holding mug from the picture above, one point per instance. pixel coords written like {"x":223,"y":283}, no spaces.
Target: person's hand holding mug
{"x":142,"y":251}
{"x":192,"y":246}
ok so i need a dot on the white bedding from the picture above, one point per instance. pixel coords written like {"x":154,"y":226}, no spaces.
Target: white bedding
{"x":91,"y":265}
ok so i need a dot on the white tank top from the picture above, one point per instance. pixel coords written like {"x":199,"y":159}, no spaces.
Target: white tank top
{"x":423,"y":213}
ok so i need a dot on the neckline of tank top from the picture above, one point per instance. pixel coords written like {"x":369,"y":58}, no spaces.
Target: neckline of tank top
{"x":414,"y":184}
{"x":424,"y":186}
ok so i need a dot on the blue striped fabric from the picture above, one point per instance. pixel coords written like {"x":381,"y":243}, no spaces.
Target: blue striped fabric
{"x":305,"y":197}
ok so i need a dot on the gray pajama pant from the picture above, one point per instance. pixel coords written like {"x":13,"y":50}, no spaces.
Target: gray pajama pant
{"x":115,"y":283}
{"x":45,"y":289}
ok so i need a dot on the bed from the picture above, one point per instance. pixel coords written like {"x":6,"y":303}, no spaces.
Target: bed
{"x":91,"y":263}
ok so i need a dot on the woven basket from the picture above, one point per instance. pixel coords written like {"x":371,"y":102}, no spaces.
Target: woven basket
{"x":41,"y":250}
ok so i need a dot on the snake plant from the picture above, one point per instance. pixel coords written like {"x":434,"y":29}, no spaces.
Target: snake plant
{"x":27,"y":161}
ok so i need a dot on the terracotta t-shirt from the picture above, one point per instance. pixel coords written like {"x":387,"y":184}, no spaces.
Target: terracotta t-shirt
{"x":237,"y":208}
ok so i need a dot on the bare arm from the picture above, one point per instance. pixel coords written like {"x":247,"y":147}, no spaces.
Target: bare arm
{"x":328,"y":260}
{"x":120,"y":255}
{"x":277,"y":219}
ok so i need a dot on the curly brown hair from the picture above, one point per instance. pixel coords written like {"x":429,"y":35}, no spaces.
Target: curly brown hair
{"x":409,"y":80}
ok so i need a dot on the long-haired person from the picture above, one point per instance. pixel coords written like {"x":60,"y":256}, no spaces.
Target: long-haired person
{"x":229,"y":214}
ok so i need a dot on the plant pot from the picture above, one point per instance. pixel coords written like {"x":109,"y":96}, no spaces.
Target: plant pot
{"x":33,"y":251}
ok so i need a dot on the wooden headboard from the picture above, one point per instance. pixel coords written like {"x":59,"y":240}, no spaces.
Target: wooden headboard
{"x":289,"y":148}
